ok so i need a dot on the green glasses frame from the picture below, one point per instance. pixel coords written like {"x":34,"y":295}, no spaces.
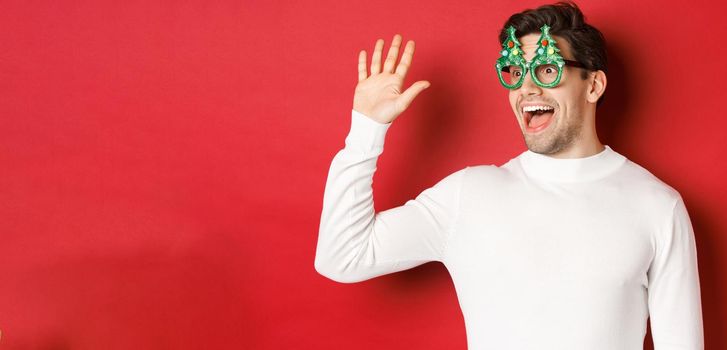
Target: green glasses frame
{"x":546,"y":54}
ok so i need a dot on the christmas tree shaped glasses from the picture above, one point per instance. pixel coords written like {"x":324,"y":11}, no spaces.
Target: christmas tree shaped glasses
{"x":546,"y":68}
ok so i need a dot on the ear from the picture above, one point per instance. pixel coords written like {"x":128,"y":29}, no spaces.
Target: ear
{"x":597,"y":86}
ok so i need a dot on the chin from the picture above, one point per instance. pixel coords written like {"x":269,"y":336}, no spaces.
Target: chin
{"x":538,"y":148}
{"x":549,"y":143}
{"x":542,"y":142}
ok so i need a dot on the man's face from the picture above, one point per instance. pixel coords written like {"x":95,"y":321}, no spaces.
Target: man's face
{"x":554,"y":131}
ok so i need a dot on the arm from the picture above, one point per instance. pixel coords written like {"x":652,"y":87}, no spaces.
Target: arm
{"x":356,"y":244}
{"x":675,"y":307}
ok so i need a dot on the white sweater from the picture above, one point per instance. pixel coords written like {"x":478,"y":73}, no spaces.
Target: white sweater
{"x":544,"y":253}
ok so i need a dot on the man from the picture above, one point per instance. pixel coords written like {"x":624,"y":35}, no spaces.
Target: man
{"x":569,"y":245}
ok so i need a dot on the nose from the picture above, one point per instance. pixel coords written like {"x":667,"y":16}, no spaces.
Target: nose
{"x":529,"y":87}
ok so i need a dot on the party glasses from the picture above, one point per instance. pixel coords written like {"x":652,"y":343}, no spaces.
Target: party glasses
{"x":546,"y":68}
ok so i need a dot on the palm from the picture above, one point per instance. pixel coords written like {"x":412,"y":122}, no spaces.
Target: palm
{"x":379,"y":95}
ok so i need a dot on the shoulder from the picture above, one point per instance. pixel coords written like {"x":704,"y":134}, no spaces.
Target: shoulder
{"x":487,"y":177}
{"x":487,"y":170}
{"x":646,"y":188}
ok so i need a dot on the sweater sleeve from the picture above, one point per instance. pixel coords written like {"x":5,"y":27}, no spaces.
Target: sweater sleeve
{"x":674,"y":302}
{"x":354,"y":242}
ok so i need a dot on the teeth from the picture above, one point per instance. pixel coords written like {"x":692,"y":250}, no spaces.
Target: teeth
{"x":536,"y":108}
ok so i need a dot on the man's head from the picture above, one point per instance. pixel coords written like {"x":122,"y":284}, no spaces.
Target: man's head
{"x":570,"y":127}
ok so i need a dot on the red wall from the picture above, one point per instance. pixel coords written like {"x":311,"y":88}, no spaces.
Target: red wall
{"x":163,"y":163}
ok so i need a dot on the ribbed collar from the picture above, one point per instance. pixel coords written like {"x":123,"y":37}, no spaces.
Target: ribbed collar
{"x":589,"y":168}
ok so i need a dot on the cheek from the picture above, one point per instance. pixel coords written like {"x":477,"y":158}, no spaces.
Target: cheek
{"x":574,"y":94}
{"x":513,"y":99}
{"x":567,"y":100}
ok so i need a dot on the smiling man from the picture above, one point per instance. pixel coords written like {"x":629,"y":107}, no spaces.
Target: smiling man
{"x":558,"y":121}
{"x":569,"y":245}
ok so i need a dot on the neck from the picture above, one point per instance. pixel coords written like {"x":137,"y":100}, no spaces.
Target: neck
{"x":582,"y":150}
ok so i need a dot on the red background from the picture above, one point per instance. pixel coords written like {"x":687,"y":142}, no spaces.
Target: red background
{"x":163,"y":163}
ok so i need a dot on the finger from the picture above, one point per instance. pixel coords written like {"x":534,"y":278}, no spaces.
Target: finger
{"x":393,"y":54}
{"x":376,"y":59}
{"x":406,"y":57}
{"x":408,"y":96}
{"x":362,"y":65}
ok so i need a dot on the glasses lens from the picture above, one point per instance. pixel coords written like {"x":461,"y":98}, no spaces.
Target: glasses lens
{"x":546,"y":73}
{"x":512,"y":74}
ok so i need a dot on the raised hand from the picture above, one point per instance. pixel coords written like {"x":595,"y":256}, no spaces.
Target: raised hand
{"x":379,"y":95}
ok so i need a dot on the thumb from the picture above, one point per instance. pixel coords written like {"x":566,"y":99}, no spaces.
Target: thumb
{"x":408,"y":96}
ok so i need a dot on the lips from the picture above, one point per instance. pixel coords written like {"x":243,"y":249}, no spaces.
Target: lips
{"x":537,"y":119}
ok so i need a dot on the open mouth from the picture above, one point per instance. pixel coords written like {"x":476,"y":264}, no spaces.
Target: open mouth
{"x":537,"y":118}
